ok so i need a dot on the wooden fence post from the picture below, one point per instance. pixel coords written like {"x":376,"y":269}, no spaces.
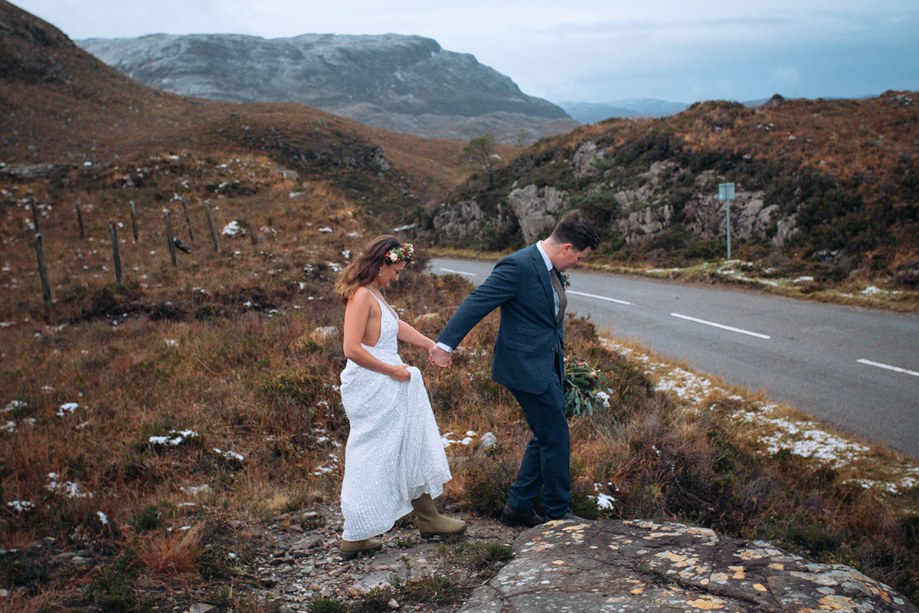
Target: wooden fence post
{"x":35,"y":216}
{"x":80,"y":221}
{"x":116,"y":252}
{"x":191,"y":232}
{"x":43,"y":271}
{"x":210,"y":222}
{"x":170,"y":239}
{"x":134,"y":220}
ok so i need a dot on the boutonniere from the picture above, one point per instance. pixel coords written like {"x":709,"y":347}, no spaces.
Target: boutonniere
{"x":565,"y":280}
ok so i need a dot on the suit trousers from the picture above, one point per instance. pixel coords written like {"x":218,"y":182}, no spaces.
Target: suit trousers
{"x":545,"y":464}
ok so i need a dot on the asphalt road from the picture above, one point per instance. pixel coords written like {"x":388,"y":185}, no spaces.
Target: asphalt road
{"x":855,"y":368}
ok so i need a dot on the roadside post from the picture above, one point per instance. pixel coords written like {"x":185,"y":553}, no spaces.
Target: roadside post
{"x":726,"y":193}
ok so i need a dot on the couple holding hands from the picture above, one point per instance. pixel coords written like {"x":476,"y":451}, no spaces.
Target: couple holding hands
{"x":394,"y":458}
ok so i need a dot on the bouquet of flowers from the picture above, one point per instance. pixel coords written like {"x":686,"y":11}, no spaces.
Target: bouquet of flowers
{"x":584,"y":391}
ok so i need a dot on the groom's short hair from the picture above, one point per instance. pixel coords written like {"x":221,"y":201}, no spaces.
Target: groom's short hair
{"x":574,"y":229}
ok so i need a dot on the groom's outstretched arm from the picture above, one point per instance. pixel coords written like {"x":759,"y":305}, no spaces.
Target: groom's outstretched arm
{"x":498,"y":288}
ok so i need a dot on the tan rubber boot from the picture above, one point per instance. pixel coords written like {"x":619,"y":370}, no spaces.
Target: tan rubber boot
{"x":431,"y":523}
{"x":351,"y":549}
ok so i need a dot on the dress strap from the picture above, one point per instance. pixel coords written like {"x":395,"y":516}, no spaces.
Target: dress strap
{"x":385,"y":304}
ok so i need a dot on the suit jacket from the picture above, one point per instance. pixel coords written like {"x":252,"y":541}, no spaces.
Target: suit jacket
{"x":529,"y":339}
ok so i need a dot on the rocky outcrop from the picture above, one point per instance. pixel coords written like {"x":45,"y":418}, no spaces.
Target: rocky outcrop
{"x":706,"y":216}
{"x":642,"y":566}
{"x":644,"y":210}
{"x":585,"y":160}
{"x":536,"y":209}
{"x":29,"y":172}
{"x":407,"y":83}
{"x":460,"y":220}
{"x":645,"y":222}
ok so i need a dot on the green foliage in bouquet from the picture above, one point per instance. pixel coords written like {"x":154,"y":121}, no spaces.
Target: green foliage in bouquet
{"x":585,"y":388}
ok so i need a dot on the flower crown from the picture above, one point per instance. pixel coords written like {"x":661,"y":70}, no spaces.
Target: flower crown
{"x":397,"y":254}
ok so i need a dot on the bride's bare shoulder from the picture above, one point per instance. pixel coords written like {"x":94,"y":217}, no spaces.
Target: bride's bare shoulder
{"x":363,"y":297}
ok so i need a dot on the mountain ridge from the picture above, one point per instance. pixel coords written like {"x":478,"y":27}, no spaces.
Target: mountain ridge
{"x":592,"y":112}
{"x":386,"y":80}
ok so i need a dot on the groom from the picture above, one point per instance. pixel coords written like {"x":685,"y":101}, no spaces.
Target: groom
{"x":529,"y":359}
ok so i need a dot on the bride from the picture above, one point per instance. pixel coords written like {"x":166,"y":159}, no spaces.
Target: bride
{"x":394,"y":458}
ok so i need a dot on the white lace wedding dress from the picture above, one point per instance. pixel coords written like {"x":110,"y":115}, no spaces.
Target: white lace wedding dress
{"x":394,"y":452}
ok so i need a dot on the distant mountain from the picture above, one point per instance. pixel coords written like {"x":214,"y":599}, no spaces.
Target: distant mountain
{"x":63,"y":111}
{"x":592,"y":112}
{"x":405,"y":83}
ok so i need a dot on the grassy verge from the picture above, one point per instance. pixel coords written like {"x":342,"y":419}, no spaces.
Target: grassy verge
{"x":860,"y":290}
{"x":793,"y":281}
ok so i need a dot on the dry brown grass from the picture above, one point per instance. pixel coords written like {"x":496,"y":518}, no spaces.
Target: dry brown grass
{"x":171,"y":551}
{"x":237,"y":348}
{"x":260,"y":382}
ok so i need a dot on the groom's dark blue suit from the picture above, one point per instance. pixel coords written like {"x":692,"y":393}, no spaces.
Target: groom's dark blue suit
{"x":529,"y":361}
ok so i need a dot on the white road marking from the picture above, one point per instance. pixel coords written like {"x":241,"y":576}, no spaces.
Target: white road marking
{"x":889,"y":367}
{"x":597,"y":297}
{"x":723,"y":327}
{"x":459,"y":272}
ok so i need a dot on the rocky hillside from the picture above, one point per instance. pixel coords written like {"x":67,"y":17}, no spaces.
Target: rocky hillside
{"x":403,"y":83}
{"x":828,"y":186}
{"x":63,"y":110}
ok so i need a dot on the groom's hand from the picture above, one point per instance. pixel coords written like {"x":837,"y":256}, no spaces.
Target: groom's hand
{"x":440,"y":357}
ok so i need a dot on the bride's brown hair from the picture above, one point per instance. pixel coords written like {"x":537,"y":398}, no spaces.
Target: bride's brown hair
{"x":365,"y":267}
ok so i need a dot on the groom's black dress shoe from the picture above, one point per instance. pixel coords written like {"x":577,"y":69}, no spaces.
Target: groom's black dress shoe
{"x":528,"y":518}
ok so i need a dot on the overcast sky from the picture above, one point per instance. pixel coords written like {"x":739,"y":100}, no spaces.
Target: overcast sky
{"x":581,"y":50}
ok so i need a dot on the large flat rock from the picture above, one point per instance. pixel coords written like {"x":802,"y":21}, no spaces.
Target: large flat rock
{"x":638,"y":566}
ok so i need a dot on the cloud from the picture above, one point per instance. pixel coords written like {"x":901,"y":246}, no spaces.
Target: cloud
{"x":785,"y":78}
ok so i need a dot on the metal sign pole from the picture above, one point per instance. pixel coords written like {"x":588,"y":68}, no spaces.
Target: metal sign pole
{"x":726,"y":193}
{"x":728,"y":214}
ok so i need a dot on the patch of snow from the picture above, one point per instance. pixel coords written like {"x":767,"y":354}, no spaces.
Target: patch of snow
{"x":20,"y":506}
{"x":447,"y":441}
{"x":233,"y":228}
{"x":67,"y":407}
{"x":173,"y":438}
{"x":605,"y":501}
{"x":13,"y":405}
{"x":71,"y":489}
{"x":232,"y":455}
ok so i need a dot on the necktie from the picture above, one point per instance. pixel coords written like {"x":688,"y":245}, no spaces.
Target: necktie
{"x":560,"y":291}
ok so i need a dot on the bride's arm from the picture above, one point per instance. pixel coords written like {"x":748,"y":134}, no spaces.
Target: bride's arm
{"x":357,"y":314}
{"x":408,"y":334}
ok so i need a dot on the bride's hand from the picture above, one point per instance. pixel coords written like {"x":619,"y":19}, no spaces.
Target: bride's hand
{"x":400,"y":372}
{"x":440,"y":357}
